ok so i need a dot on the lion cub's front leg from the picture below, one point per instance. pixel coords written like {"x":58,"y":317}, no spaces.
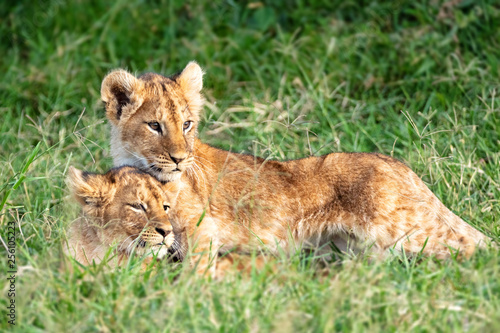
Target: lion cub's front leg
{"x":217,"y":266}
{"x":202,"y":244}
{"x":204,"y":259}
{"x":208,"y":258}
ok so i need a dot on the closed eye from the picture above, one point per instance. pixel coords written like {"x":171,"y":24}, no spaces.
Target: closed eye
{"x":138,"y":207}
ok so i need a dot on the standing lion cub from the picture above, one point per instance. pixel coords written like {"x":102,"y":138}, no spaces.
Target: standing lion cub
{"x":235,"y":202}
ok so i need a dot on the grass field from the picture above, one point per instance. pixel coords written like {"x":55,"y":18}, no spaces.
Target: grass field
{"x":284,"y":79}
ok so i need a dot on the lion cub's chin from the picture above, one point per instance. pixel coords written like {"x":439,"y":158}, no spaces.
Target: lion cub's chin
{"x":158,"y":252}
{"x":167,"y":176}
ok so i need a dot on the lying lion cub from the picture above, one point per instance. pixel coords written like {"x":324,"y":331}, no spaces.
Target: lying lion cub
{"x":125,"y":208}
{"x":239,"y":202}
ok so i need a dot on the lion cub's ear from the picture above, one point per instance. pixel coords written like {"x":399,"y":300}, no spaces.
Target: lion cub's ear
{"x":121,"y":91}
{"x":89,"y":189}
{"x":191,"y":82}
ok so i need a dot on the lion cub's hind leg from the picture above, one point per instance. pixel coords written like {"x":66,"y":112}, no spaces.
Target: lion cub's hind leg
{"x":411,"y":218}
{"x":389,"y":207}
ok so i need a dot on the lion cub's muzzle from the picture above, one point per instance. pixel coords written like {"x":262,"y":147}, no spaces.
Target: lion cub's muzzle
{"x":154,"y":240}
{"x":170,"y":170}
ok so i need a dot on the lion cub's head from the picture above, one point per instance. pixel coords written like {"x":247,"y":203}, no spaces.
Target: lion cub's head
{"x":126,"y":208}
{"x":154,"y":119}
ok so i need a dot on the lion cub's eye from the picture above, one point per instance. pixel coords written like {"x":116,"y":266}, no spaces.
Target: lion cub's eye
{"x":187,"y":125}
{"x":155,"y":126}
{"x":138,"y":206}
{"x":166,"y":208}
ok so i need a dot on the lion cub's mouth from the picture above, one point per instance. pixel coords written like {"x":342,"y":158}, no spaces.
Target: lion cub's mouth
{"x":163,"y":250}
{"x":166,"y":173}
{"x":175,"y":168}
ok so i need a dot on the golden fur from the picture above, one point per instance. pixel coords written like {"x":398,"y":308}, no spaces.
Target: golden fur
{"x":124,"y":208}
{"x":140,"y":145}
{"x":248,"y":202}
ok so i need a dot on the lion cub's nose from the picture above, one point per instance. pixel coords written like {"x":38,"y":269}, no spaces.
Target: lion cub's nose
{"x":177,"y":159}
{"x":162,"y":232}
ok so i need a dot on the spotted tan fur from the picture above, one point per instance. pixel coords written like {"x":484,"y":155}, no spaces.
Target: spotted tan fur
{"x":371,"y":199}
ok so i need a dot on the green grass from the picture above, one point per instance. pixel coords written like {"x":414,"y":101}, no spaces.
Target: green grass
{"x":284,"y":79}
